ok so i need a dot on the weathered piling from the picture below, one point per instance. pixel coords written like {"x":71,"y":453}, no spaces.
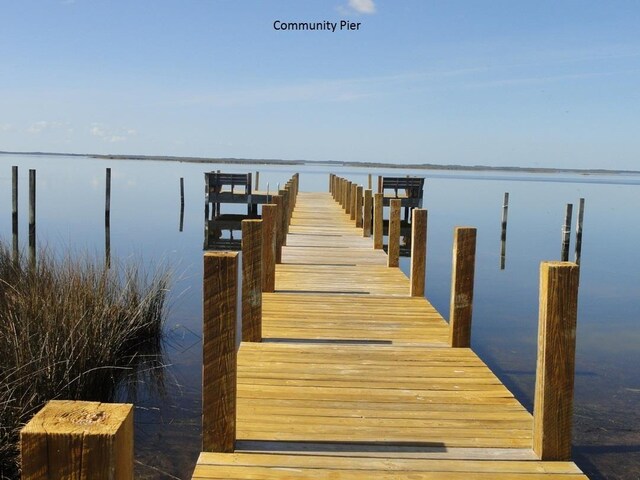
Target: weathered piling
{"x":269,"y":226}
{"x":359,"y":201}
{"x":83,"y":440}
{"x":220,"y":291}
{"x":464,"y":258}
{"x":257,"y":185}
{"x":393,"y":251}
{"x":347,"y":208}
{"x":578,"y":250}
{"x":354,"y":202}
{"x":367,"y":213}
{"x":378,"y":209}
{"x":107,"y":218}
{"x":14,"y":212}
{"x":181,"y":203}
{"x":369,"y":181}
{"x":553,"y":403}
{"x":32,"y":218}
{"x":284,"y":213}
{"x":503,"y":233}
{"x":251,"y":280}
{"x":566,"y":233}
{"x":418,"y":251}
{"x":277,"y":200}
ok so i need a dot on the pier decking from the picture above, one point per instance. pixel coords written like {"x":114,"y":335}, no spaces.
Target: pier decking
{"x":356,"y":379}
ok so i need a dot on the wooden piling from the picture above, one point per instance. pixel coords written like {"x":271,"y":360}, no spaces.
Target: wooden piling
{"x":219,"y":371}
{"x":284,"y":212}
{"x":378,"y":210}
{"x":369,"y":180}
{"x":269,"y":225}
{"x":418,"y":251}
{"x":181,"y":203}
{"x":347,"y":207}
{"x":503,"y":232}
{"x":393,"y":251}
{"x":368,"y":213}
{"x":32,"y":218}
{"x":107,"y":219}
{"x":553,"y":403}
{"x":251,"y":280}
{"x":566,"y":233}
{"x":257,"y":185}
{"x":277,"y":200}
{"x":578,"y":250}
{"x":14,"y":213}
{"x":359,"y":201}
{"x":80,"y":440}
{"x":464,"y":259}
{"x":354,"y":202}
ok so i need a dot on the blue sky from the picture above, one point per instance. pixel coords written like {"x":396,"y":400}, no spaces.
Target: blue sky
{"x":525,"y":83}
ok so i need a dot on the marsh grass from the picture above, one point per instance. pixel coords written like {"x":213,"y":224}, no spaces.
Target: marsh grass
{"x":72,"y":329}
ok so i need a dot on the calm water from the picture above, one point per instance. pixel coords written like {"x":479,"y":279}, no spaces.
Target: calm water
{"x":144,"y":225}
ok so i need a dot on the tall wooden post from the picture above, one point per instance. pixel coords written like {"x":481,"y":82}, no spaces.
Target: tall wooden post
{"x":269,"y":222}
{"x":369,"y":181}
{"x":503,"y":235}
{"x":553,"y":404}
{"x":418,"y":251}
{"x":359,"y":200}
{"x":83,"y":440}
{"x":566,"y":233}
{"x":251,"y":280}
{"x":284,"y":211}
{"x":464,"y":259}
{"x":368,"y":213}
{"x":354,"y":202}
{"x":220,"y":291}
{"x":331,"y":183}
{"x":277,"y":200}
{"x":181,"y":203}
{"x":257,"y":184}
{"x":107,"y":218}
{"x":347,"y":206}
{"x":32,"y":218}
{"x":14,"y":212}
{"x":378,"y":209}
{"x":578,"y":251}
{"x":393,"y":251}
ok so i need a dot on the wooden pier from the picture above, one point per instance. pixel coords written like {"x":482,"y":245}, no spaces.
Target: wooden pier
{"x":346,"y":371}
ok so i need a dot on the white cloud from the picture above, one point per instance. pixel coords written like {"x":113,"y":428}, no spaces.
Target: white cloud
{"x":43,"y":125}
{"x":366,"y":7}
{"x":6,"y":127}
{"x":111,"y":135}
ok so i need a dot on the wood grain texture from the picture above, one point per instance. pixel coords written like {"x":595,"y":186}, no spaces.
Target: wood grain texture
{"x":462,"y":278}
{"x":251,"y":280}
{"x":269,"y":225}
{"x":393,"y":251}
{"x":354,"y":202}
{"x":80,"y":440}
{"x":284,"y":214}
{"x":359,"y":202}
{"x":553,"y":404}
{"x":220,"y":292}
{"x":378,"y":210}
{"x":279,"y":202}
{"x":418,"y":252}
{"x":347,"y":206}
{"x":367,"y":217}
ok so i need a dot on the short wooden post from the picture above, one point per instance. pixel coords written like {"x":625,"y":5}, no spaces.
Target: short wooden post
{"x":578,"y":251}
{"x":277,"y":200}
{"x":354,"y":202}
{"x":84,"y":440}
{"x":32,"y":218}
{"x":14,"y":212}
{"x":251,"y":280}
{"x":220,"y":291}
{"x":378,"y":209}
{"x":269,"y":225}
{"x":393,"y":251}
{"x":368,"y":213}
{"x":418,"y":251}
{"x":464,"y":259}
{"x":347,"y":207}
{"x":553,"y":403}
{"x":359,"y":200}
{"x":566,"y":233}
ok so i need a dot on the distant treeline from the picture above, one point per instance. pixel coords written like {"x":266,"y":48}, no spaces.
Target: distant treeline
{"x":275,"y":161}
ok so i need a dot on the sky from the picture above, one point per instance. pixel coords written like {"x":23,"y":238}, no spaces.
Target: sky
{"x":498,"y":82}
